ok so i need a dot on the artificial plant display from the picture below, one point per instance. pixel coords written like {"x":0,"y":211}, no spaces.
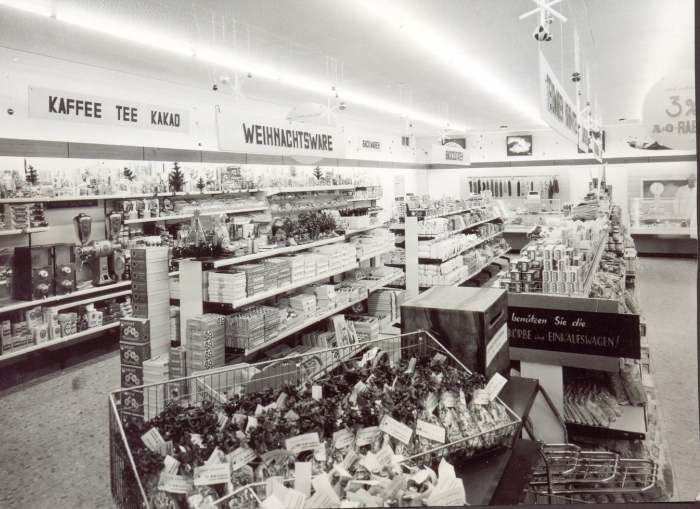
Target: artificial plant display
{"x":318,"y":173}
{"x":201,"y":184}
{"x":347,"y":427}
{"x":176,"y":179}
{"x":128,"y":174}
{"x":31,"y":176}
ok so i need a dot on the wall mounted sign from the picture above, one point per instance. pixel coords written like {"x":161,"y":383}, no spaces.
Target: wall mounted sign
{"x":574,"y":332}
{"x":364,"y":143}
{"x":668,"y":112}
{"x":64,"y":106}
{"x":519,"y":145}
{"x":556,"y":108}
{"x":242,"y":132}
{"x":443,"y":154}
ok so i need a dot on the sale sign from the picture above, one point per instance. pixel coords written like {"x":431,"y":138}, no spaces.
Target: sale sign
{"x":669,"y":111}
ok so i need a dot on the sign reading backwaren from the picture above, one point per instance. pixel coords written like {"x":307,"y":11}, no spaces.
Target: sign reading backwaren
{"x":64,"y":106}
{"x":255,"y":134}
{"x":556,"y":108}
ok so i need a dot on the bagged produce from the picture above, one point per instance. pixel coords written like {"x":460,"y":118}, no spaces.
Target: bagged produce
{"x":632,"y":381}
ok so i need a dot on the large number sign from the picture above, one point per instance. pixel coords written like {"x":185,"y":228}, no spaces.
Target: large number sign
{"x":64,"y":106}
{"x":574,"y":332}
{"x":669,"y":111}
{"x":240,"y":132}
{"x":556,"y":108}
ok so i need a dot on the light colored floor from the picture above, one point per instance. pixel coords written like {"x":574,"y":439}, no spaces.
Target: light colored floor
{"x":53,"y":430}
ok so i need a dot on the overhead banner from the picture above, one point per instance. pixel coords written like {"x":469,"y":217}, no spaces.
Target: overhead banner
{"x":444,"y":154}
{"x":369,"y":144}
{"x":65,"y":106}
{"x":256,"y":134}
{"x":556,"y":108}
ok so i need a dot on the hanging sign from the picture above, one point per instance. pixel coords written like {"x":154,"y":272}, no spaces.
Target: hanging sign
{"x":369,"y":144}
{"x":668,"y":112}
{"x":241,"y":132}
{"x":556,"y":108}
{"x":64,"y":106}
{"x":574,"y":332}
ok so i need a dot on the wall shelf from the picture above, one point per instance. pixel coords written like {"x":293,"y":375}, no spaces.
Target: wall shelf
{"x":26,"y":231}
{"x":13,"y":305}
{"x":189,"y":215}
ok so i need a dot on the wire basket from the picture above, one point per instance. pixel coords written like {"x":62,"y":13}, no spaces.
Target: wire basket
{"x":218,"y":385}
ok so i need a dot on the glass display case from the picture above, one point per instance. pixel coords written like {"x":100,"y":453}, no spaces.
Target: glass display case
{"x":659,"y":216}
{"x":521,"y":214}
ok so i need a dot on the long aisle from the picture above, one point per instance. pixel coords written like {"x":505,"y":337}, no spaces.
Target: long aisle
{"x":669,"y":301}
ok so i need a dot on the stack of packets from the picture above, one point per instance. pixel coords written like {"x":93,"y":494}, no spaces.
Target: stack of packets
{"x":325,"y":296}
{"x":244,"y":330}
{"x":155,"y":371}
{"x":372,"y":242}
{"x":226,"y":286}
{"x":386,"y":302}
{"x":302,"y":303}
{"x":174,"y":325}
{"x":339,"y":255}
{"x":177,"y":369}
{"x":150,"y":287}
{"x":297,"y":265}
{"x":283,"y":269}
{"x":204,"y":343}
{"x":367,"y":327}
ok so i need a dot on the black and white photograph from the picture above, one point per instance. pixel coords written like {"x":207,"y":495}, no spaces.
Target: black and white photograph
{"x":281,"y":254}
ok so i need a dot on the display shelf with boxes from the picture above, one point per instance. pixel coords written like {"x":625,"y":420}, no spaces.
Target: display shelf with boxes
{"x":12,"y":305}
{"x":523,"y":214}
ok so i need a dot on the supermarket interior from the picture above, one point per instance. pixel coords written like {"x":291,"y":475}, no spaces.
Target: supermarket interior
{"x":361,"y":253}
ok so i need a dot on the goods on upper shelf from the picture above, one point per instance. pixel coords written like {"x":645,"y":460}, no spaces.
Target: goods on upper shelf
{"x":334,"y":425}
{"x":425,"y":207}
{"x":460,"y":268}
{"x":22,"y":216}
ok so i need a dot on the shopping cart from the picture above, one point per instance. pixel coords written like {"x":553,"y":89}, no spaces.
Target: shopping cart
{"x":216,"y":387}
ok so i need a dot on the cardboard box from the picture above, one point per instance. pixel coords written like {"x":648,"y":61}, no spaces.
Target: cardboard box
{"x":144,"y":310}
{"x":131,"y":376}
{"x":133,"y":354}
{"x":151,"y":297}
{"x":135,"y":329}
{"x":150,"y":286}
{"x":469,"y":322}
{"x":155,"y":253}
{"x":151,"y":277}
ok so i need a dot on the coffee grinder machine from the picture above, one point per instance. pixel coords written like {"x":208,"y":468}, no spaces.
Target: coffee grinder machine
{"x":105,"y":257}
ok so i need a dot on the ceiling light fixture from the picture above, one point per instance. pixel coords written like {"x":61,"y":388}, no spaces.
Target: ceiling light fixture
{"x":475,"y":70}
{"x":227,"y":61}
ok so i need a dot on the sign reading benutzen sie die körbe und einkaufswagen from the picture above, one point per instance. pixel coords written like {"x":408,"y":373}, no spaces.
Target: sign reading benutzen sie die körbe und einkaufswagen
{"x":65,"y":106}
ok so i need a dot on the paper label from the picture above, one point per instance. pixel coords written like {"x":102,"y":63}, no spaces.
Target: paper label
{"x":294,"y":499}
{"x":439,"y":357}
{"x":367,"y":435}
{"x":317,"y":392}
{"x":421,"y":477}
{"x":166,"y":448}
{"x":411,"y":365}
{"x":359,"y":388}
{"x":272,"y":502}
{"x":363,"y":497}
{"x":397,"y":484}
{"x":241,"y":457}
{"x":322,"y":484}
{"x":252,"y":423}
{"x":384,"y":455}
{"x":291,"y":416}
{"x":449,"y":399}
{"x":497,"y":342}
{"x":371,"y":462}
{"x":307,"y":442}
{"x":481,"y":397}
{"x":171,"y":465}
{"x":394,"y":428}
{"x":271,"y":406}
{"x":431,"y":402}
{"x":196,"y":439}
{"x":462,"y":398}
{"x":446,"y":471}
{"x":495,"y":385}
{"x":223,"y":419}
{"x":239,"y":418}
{"x":320,"y":452}
{"x":281,"y":400}
{"x":259,"y":409}
{"x":349,"y":459}
{"x":217,"y":456}
{"x":342,"y":472}
{"x":430,"y":431}
{"x":212,"y":474}
{"x":153,"y":440}
{"x":302,"y":478}
{"x":342,"y":439}
{"x":174,"y":483}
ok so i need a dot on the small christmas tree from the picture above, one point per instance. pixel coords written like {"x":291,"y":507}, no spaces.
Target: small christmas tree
{"x":31,"y":176}
{"x":176,"y":179}
{"x":201,"y":184}
{"x":128,"y":174}
{"x":318,"y":173}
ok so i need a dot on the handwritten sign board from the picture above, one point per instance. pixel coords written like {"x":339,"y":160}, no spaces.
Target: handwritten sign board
{"x":574,"y":332}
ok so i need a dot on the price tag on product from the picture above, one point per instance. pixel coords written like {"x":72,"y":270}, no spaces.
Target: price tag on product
{"x":171,"y":465}
{"x":359,"y":388}
{"x":495,"y":385}
{"x":291,"y":416}
{"x":166,"y":448}
{"x":446,"y":471}
{"x":317,"y":392}
{"x":431,"y":402}
{"x":449,"y":399}
{"x":384,"y":455}
{"x":241,"y":457}
{"x":281,"y":400}
{"x":217,"y":456}
{"x":223,"y":419}
{"x":394,"y":428}
{"x":252,"y":423}
{"x":371,"y":462}
{"x":349,"y":460}
{"x":307,"y":442}
{"x":342,"y":472}
{"x":259,"y":409}
{"x":212,"y":474}
{"x":430,"y":431}
{"x":480,"y":397}
{"x":367,"y":435}
{"x":411,"y":365}
{"x":342,"y":439}
{"x":175,"y":483}
{"x":439,"y":357}
{"x":322,"y":484}
{"x":153,"y":440}
{"x":302,"y":478}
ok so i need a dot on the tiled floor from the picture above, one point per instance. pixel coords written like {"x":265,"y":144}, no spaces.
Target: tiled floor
{"x":53,"y":429}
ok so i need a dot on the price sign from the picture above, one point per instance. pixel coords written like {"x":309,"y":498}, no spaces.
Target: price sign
{"x":669,"y":111}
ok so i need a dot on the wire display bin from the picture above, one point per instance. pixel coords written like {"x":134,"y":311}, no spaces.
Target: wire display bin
{"x":367,"y":414}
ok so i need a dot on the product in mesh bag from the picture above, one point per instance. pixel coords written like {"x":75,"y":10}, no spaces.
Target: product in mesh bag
{"x":594,"y":409}
{"x":632,"y":382}
{"x":617,"y":388}
{"x":631,"y":302}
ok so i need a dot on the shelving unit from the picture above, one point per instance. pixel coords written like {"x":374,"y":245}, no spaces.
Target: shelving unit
{"x":473,"y":273}
{"x":94,"y":299}
{"x":48,"y":345}
{"x":26,"y":231}
{"x":452,"y":233}
{"x":471,"y":246}
{"x":201,"y":213}
{"x":14,"y":305}
{"x":57,"y":199}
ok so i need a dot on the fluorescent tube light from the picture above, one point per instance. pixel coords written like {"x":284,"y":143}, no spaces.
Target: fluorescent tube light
{"x":27,"y":6}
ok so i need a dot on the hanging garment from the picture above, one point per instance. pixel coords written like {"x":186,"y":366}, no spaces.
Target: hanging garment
{"x":550,"y":191}
{"x":500,"y":189}
{"x":510,"y":188}
{"x":518,"y":188}
{"x":478,"y":184}
{"x":491,"y":186}
{"x":556,"y":185}
{"x":470,"y":187}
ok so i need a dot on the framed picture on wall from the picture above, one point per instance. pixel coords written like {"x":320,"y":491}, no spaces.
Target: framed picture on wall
{"x":670,"y":188}
{"x":519,"y":145}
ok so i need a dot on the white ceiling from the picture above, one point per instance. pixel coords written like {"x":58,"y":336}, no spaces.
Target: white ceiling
{"x":626,"y":44}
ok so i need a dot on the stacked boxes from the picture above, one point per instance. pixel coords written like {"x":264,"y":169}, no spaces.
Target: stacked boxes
{"x":178,"y":369}
{"x":297,"y":266}
{"x":204,"y":344}
{"x":151,"y":295}
{"x":244,"y":330}
{"x":255,"y":278}
{"x":283,"y":268}
{"x":155,"y":371}
{"x":303,"y":304}
{"x":226,"y":286}
{"x":134,"y":350}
